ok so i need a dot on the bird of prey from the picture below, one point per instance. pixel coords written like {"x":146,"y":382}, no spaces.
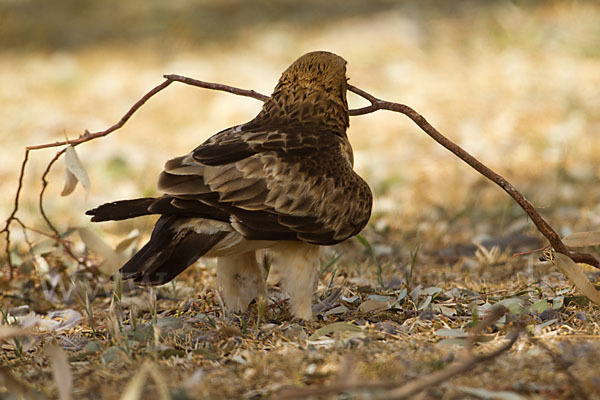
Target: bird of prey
{"x":283,"y":181}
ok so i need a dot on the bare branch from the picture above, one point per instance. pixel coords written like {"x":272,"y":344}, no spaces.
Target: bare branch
{"x":13,"y":214}
{"x":541,"y":224}
{"x":217,"y":86}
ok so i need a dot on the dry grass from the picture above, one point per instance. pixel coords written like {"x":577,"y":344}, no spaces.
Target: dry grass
{"x":516,"y":85}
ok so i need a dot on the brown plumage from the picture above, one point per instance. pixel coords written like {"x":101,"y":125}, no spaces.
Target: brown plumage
{"x":283,"y":181}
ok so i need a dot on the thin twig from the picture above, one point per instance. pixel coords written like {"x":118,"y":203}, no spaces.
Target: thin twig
{"x":541,"y":224}
{"x":458,"y":368}
{"x":403,"y":391}
{"x":12,"y":215}
{"x":217,"y":86}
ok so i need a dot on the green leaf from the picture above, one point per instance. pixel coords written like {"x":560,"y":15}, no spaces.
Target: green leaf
{"x":539,"y":306}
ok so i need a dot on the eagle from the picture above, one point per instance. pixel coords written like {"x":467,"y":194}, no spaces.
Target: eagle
{"x":283,"y":181}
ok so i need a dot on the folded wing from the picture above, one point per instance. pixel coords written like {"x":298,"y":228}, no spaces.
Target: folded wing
{"x":270,"y":185}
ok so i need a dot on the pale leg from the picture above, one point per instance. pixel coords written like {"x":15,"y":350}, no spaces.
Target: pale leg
{"x":239,"y":280}
{"x":297,"y":264}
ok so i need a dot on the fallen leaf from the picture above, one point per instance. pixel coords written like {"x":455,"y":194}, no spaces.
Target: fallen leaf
{"x":335,"y":327}
{"x":452,"y":342}
{"x":372,"y":305}
{"x":401,"y":295}
{"x":539,"y":306}
{"x":384,"y":299}
{"x":337,"y":310}
{"x":414,"y":294}
{"x":456,"y":333}
{"x":538,"y":328}
{"x":514,"y":305}
{"x":490,"y":394}
{"x":431,"y":290}
{"x":575,"y":273}
{"x":425,"y":303}
{"x":447,"y":311}
{"x":60,"y":370}
{"x":558,"y":302}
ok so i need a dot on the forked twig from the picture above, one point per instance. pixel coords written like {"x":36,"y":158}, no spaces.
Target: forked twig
{"x":85,"y":137}
{"x":376,"y":104}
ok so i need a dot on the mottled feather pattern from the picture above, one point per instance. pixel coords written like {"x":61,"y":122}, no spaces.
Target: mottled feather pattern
{"x":290,"y":178}
{"x":283,"y":181}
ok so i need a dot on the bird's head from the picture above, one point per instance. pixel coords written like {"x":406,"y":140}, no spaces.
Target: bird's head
{"x":318,"y":70}
{"x":311,"y":93}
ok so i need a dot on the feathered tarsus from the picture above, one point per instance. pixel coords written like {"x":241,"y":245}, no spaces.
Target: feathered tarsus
{"x":283,"y":181}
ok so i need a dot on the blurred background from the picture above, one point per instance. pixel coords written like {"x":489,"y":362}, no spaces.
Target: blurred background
{"x":516,"y":83}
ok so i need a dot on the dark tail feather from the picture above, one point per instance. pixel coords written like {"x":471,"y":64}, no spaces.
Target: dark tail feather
{"x":122,"y":209}
{"x":169,"y":251}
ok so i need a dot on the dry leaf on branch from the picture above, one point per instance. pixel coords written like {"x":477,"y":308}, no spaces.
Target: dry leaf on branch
{"x":75,"y":172}
{"x":576,"y":274}
{"x":582,"y":239}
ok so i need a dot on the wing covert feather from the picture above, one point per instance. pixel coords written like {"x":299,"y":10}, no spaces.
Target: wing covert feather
{"x":274,"y":185}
